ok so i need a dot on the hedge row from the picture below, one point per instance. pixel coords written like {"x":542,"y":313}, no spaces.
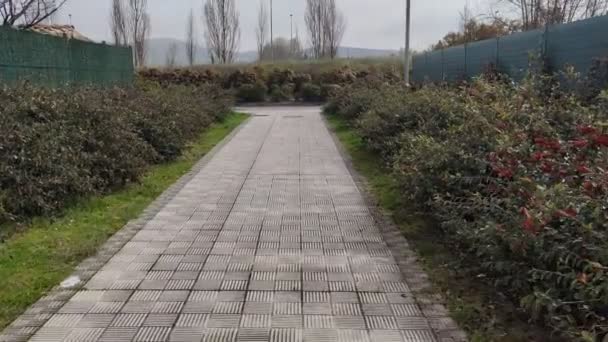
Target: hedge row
{"x":517,"y":177}
{"x":277,"y":84}
{"x":59,"y":145}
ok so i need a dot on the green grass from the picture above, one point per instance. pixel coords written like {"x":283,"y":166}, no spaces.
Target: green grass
{"x":475,"y":306}
{"x":47,"y":250}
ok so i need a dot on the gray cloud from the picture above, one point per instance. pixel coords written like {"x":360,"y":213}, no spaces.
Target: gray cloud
{"x":371,"y":23}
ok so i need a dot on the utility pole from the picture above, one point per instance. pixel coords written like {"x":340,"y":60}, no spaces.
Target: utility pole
{"x":407,"y":42}
{"x":271,"y":34}
{"x":291,"y":38}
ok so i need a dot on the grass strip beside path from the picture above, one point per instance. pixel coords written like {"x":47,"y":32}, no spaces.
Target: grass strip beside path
{"x":46,"y":252}
{"x":475,"y":306}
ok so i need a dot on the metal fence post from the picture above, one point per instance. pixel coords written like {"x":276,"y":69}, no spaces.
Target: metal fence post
{"x":466,"y":74}
{"x":442,"y":65}
{"x":544,"y":54}
{"x":426,"y":65}
{"x":497,"y":54}
{"x":71,"y":77}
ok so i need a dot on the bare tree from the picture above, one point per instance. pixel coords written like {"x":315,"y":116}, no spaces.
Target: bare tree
{"x":172,"y":55}
{"x":284,"y":50}
{"x":190,"y":39}
{"x":222,"y":31}
{"x":325,"y":25}
{"x":27,"y":13}
{"x":139,"y":29}
{"x":261,"y":31}
{"x":537,"y":13}
{"x":52,"y":19}
{"x":596,"y":8}
{"x":297,"y":51}
{"x":334,"y":25}
{"x":118,"y":22}
{"x":314,"y":16}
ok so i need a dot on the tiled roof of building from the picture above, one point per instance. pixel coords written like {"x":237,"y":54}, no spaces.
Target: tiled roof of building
{"x":67,"y":31}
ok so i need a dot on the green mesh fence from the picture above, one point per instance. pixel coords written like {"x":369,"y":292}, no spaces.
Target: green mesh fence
{"x":55,"y":61}
{"x":575,"y":44}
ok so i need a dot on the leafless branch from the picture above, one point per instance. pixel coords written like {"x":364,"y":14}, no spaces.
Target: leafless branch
{"x":139,"y":29}
{"x":171,"y":55}
{"x":261,"y":31}
{"x":334,"y":26}
{"x":284,"y":49}
{"x":537,"y":13}
{"x":27,"y":13}
{"x":222,"y":32}
{"x":191,"y":39}
{"x":326,"y":26}
{"x":315,"y":12}
{"x":118,"y":22}
{"x":596,"y":8}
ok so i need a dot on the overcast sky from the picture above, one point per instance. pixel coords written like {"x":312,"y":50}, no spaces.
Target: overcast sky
{"x":377,"y":24}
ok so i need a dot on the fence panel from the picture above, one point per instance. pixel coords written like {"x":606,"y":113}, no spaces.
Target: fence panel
{"x":421,"y":69}
{"x":480,"y":55}
{"x":515,"y":52}
{"x":56,"y":61}
{"x":454,"y":63}
{"x":575,"y":44}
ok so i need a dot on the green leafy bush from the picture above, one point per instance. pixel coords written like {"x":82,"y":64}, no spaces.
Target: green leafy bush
{"x":252,"y":92}
{"x":278,"y":82}
{"x":352,"y":101}
{"x":59,"y":145}
{"x":516,"y":177}
{"x":300,"y":80}
{"x":328,"y":90}
{"x":311,"y":92}
{"x":280,"y":93}
{"x":280,"y":77}
{"x":595,"y":81}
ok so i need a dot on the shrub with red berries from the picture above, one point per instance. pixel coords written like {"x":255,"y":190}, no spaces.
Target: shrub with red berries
{"x":518,"y":179}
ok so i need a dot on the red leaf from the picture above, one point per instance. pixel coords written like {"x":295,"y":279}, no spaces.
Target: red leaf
{"x":583,"y":278}
{"x":546,"y":167}
{"x":538,"y":155}
{"x":585,"y":129}
{"x":580,"y":143}
{"x":570,"y":212}
{"x":529,"y":225}
{"x":583,"y":169}
{"x":505,"y":173}
{"x":601,"y":140}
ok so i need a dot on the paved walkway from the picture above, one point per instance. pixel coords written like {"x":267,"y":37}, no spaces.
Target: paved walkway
{"x":270,"y":241}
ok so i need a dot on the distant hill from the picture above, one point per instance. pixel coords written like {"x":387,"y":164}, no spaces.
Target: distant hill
{"x":353,"y":52}
{"x":158,"y":49}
